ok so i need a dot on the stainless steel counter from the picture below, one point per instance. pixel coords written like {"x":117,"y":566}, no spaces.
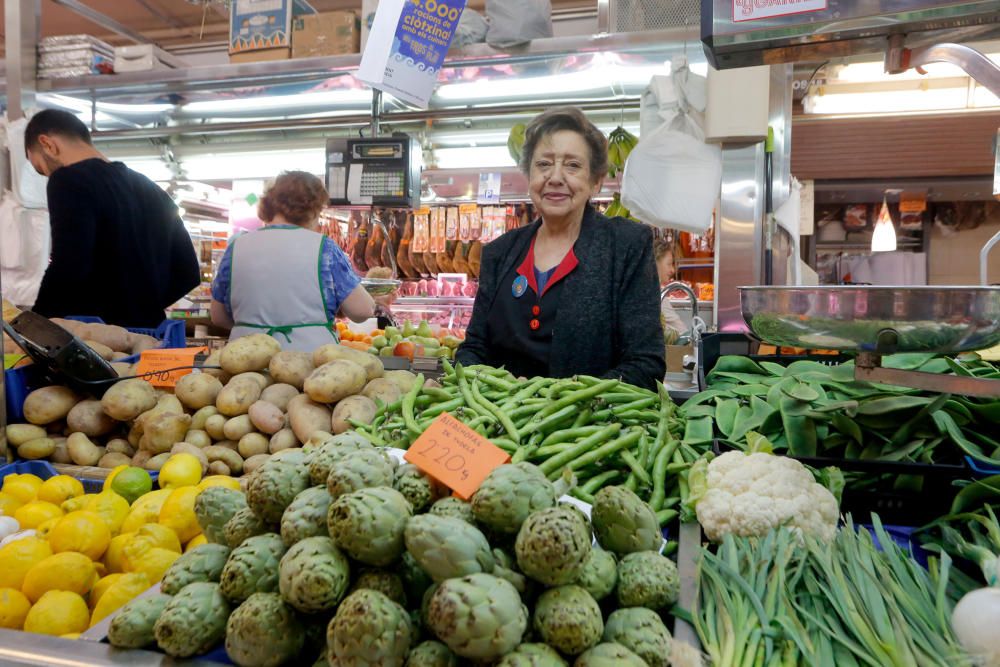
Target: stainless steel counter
{"x":25,"y":648}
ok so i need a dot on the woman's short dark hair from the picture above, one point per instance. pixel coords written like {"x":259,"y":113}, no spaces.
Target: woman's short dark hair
{"x":297,"y":196}
{"x":574,"y":120}
{"x":55,"y":122}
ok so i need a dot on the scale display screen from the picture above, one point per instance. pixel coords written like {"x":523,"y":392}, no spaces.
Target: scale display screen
{"x":378,"y":151}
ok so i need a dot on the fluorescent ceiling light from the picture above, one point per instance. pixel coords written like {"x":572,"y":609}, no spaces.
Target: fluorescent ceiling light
{"x":875,"y":71}
{"x":982,"y":97}
{"x":346,"y":96}
{"x":884,"y":235}
{"x":265,"y":165}
{"x":154,"y":169}
{"x":887,"y":102}
{"x":473,"y":158}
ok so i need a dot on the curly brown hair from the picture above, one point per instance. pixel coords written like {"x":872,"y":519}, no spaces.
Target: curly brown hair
{"x":297,"y":196}
{"x":574,"y":120}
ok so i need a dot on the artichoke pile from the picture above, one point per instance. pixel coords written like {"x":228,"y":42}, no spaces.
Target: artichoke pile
{"x":338,"y":556}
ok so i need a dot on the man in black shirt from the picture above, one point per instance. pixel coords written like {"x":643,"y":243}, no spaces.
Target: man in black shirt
{"x":119,"y":250}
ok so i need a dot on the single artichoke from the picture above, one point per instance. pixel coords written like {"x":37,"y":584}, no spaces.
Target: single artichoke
{"x":359,"y":470}
{"x":369,"y":629}
{"x":641,"y":631}
{"x":202,"y":563}
{"x":418,"y":489}
{"x":387,"y":583}
{"x":313,"y":575}
{"x":453,"y":507}
{"x":132,"y":626}
{"x":533,"y":655}
{"x":479,"y":616}
{"x":193,"y":621}
{"x":368,"y":524}
{"x":214,"y":507}
{"x":333,"y":450}
{"x":306,"y":516}
{"x":553,"y":545}
{"x":609,"y":655}
{"x":242,"y":526}
{"x":568,"y":619}
{"x":263,"y":632}
{"x":415,"y":580}
{"x":647,"y":579}
{"x":599,"y":574}
{"x":446,"y":547}
{"x":274,"y":485}
{"x":253,"y":567}
{"x":510,"y":494}
{"x":623,"y":523}
{"x":431,"y":654}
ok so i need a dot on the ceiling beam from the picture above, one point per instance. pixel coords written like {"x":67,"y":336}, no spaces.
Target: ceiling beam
{"x":102,"y":20}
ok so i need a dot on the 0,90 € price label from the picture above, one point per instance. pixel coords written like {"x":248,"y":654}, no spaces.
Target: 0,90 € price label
{"x":163,"y":368}
{"x":455,"y":455}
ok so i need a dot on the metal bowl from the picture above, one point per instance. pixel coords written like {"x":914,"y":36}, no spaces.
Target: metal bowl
{"x":875,"y":319}
{"x":380,"y":286}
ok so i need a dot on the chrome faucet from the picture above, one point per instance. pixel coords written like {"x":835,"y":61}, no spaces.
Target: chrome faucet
{"x":675,"y":286}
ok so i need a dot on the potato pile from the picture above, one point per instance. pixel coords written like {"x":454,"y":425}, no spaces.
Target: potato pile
{"x":262,"y":400}
{"x":111,"y":342}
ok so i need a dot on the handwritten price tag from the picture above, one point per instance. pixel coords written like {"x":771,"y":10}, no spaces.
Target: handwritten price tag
{"x":455,"y":455}
{"x":155,"y":365}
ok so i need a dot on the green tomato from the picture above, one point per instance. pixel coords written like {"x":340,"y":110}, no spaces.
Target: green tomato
{"x":379,"y":342}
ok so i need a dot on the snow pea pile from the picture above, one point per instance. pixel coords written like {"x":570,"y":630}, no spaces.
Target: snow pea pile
{"x":810,"y":409}
{"x":604,"y":431}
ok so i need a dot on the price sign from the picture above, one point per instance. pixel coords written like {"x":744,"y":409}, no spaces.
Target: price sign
{"x":157,"y":366}
{"x":913,"y":201}
{"x":455,"y":455}
{"x":489,"y":188}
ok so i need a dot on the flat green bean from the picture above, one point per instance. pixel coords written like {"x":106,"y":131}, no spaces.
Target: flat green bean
{"x":633,"y":463}
{"x":622,"y":442}
{"x":594,"y":483}
{"x":558,"y":461}
{"x":408,"y":402}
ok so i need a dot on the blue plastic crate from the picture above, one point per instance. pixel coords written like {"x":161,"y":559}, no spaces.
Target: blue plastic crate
{"x":903,"y":537}
{"x":45,"y":470}
{"x":981,"y":469}
{"x":19,"y":382}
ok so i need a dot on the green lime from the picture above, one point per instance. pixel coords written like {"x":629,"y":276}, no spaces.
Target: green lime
{"x":132,"y":483}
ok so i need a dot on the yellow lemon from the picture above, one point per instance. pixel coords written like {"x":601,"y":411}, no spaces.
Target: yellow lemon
{"x":43,"y":529}
{"x":101,"y":587}
{"x":75,"y":504}
{"x":145,"y":510}
{"x":35,"y":513}
{"x":132,"y":483}
{"x":20,"y":556}
{"x":142,"y":556}
{"x":118,"y":594}
{"x":111,"y":507}
{"x":14,"y":608}
{"x":177,"y":513}
{"x":8,"y":504}
{"x":111,"y":476}
{"x":114,"y":556}
{"x":161,"y":536}
{"x":180,"y":470}
{"x":22,"y":487}
{"x":59,"y":489}
{"x":68,"y":571}
{"x":83,"y":532}
{"x":58,"y":613}
{"x":220,"y":480}
{"x":71,"y":635}
{"x":198,"y":540}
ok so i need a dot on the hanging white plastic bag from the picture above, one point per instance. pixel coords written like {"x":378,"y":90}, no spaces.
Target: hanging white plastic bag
{"x":28,"y":184}
{"x":672,"y":177}
{"x":672,"y":180}
{"x":514,"y":22}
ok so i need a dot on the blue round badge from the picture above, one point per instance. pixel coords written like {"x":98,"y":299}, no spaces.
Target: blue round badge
{"x":519,"y":287}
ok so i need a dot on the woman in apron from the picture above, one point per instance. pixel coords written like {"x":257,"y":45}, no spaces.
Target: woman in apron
{"x":286,"y":279}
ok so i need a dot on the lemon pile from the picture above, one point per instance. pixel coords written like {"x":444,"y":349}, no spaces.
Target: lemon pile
{"x":78,"y":557}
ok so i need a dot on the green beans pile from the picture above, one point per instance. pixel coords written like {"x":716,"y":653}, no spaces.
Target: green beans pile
{"x":811,"y":409}
{"x":605,"y":431}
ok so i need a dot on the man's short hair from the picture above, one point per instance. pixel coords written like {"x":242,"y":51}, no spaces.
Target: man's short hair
{"x":57,"y":122}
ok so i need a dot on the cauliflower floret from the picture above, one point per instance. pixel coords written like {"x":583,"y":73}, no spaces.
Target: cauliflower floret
{"x":748,"y":495}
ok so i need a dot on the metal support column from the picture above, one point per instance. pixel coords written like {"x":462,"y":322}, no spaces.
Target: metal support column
{"x":376,"y":126}
{"x":22,"y":25}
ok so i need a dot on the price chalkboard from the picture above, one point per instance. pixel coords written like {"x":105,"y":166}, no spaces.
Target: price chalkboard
{"x":455,"y":455}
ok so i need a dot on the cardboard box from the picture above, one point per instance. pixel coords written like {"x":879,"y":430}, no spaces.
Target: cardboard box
{"x":675,"y":357}
{"x":368,"y":9}
{"x":264,"y":55}
{"x":256,"y":25}
{"x":326,"y":34}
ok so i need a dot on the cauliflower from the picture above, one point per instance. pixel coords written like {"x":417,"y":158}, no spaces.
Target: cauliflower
{"x":749,"y":494}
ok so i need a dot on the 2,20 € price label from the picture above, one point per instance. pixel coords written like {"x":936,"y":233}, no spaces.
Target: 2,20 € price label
{"x":455,"y":455}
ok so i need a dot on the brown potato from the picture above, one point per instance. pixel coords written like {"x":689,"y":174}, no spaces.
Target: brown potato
{"x":231,"y":458}
{"x":334,"y":381}
{"x":279,"y":395}
{"x":120,"y":446}
{"x":113,"y":460}
{"x":157,"y":462}
{"x":140,"y":458}
{"x":254,"y":462}
{"x":127,"y":399}
{"x":163,"y":431}
{"x":199,"y":418}
{"x":82,"y":451}
{"x":102,"y":350}
{"x":252,"y":444}
{"x":249,"y":353}
{"x":403,"y":379}
{"x":197,"y":390}
{"x":306,"y":417}
{"x":382,"y":389}
{"x":210,"y":367}
{"x":49,"y":404}
{"x":88,"y":417}
{"x":283,"y":439}
{"x":215,"y":426}
{"x":39,"y":448}
{"x":358,"y":408}
{"x":18,"y":434}
{"x":198,"y":438}
{"x":237,"y":427}
{"x":333,"y":351}
{"x":292,"y":368}
{"x":219,"y":468}
{"x":142,"y":342}
{"x":266,"y":417}
{"x":238,"y":395}
{"x":61,"y":453}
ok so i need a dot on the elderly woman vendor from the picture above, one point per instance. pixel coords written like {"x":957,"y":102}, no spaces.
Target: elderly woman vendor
{"x":574,"y":292}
